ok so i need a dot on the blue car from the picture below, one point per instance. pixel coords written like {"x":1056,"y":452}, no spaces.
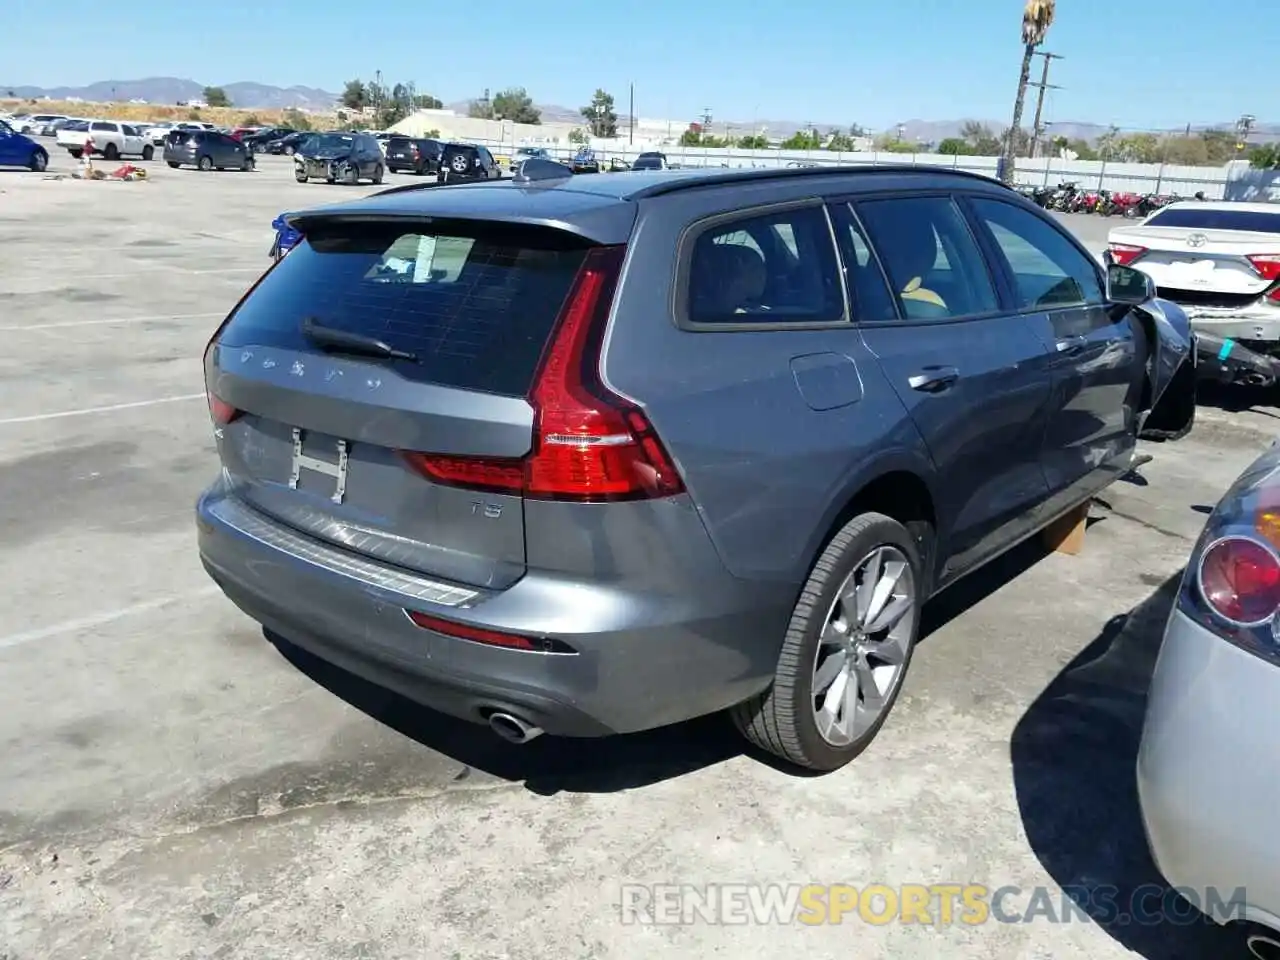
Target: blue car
{"x":17,"y":150}
{"x":286,"y":237}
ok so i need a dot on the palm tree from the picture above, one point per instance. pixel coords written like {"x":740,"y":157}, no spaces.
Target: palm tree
{"x":1037,"y":17}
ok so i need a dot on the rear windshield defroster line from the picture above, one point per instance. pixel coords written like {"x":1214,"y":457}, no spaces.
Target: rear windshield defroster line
{"x":473,"y":302}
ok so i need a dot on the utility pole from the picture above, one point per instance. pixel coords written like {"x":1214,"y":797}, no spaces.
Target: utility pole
{"x":631,"y":115}
{"x":1037,"y":129}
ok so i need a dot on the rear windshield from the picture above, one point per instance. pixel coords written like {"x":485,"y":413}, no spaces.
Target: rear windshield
{"x":77,"y":126}
{"x":1250,"y":221}
{"x":474,"y":302}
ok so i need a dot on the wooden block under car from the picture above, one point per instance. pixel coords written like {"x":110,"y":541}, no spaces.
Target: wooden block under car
{"x":1066,"y":534}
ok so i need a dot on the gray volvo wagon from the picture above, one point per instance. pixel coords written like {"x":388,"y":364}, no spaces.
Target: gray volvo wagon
{"x":590,"y":455}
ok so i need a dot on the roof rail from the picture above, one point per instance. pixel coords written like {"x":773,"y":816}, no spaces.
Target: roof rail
{"x":676,"y":185}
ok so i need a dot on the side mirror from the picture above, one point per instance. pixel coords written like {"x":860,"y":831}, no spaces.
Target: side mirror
{"x":1129,"y":286}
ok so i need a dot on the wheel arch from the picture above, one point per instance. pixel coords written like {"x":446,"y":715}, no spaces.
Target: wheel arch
{"x":899,"y":484}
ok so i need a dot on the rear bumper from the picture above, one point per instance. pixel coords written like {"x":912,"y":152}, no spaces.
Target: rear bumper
{"x":1255,"y":321}
{"x":644,"y":659}
{"x":1206,"y":772}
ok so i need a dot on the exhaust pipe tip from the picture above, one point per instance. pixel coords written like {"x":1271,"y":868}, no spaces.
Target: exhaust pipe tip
{"x":1264,"y":946}
{"x":512,"y":728}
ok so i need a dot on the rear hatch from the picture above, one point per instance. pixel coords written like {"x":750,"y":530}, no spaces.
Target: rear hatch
{"x":403,"y":150}
{"x":1214,"y":257}
{"x":376,"y":338}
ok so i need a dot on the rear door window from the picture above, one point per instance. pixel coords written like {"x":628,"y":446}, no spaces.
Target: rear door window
{"x":933,"y":263}
{"x":474,"y":302}
{"x":771,"y":268}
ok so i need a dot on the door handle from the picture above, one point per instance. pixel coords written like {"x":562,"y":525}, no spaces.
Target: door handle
{"x":934,"y":379}
{"x":1072,"y":344}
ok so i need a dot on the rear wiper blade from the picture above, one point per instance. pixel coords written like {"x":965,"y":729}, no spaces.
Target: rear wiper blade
{"x":356,"y":343}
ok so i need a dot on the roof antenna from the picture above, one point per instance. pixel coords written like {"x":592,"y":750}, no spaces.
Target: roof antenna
{"x":539,"y":168}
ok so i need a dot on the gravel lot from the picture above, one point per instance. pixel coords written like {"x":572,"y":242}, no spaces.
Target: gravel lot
{"x":176,"y":787}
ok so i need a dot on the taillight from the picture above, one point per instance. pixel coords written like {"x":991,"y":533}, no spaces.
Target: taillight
{"x":589,"y":444}
{"x":221,"y":411}
{"x":1239,"y":579}
{"x":1125,"y":253}
{"x":1268,"y":264}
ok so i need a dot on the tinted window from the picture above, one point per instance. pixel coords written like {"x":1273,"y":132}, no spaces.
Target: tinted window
{"x":77,"y":127}
{"x":1046,"y":267}
{"x":99,"y":125}
{"x":934,"y":264}
{"x":475,"y":303}
{"x":1250,"y":221}
{"x":774,"y":268}
{"x":871,"y":297}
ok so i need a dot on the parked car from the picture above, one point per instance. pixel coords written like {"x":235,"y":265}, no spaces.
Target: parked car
{"x":585,"y":161}
{"x":528,"y":153}
{"x":19,"y":150}
{"x":467,"y":161}
{"x":651,"y":160}
{"x":106,"y":138}
{"x":206,"y":150}
{"x":1207,"y":771}
{"x":240,"y":133}
{"x":258,"y":140}
{"x":35,"y":125}
{"x":414,"y":155}
{"x":349,"y":157}
{"x":286,"y":237}
{"x":466,"y":454}
{"x":1219,"y":260}
{"x":288,"y":145}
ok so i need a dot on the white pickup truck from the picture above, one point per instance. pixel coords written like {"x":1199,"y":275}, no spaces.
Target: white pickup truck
{"x":106,"y":138}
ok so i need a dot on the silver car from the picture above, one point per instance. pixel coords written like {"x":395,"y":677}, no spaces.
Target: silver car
{"x":1208,"y":779}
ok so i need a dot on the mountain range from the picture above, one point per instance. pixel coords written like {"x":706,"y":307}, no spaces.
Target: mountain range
{"x":262,"y":96}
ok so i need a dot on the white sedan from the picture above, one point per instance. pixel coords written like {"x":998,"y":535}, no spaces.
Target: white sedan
{"x":1219,"y":261}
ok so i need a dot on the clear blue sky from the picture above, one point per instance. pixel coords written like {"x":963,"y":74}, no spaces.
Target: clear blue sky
{"x":1144,"y":62}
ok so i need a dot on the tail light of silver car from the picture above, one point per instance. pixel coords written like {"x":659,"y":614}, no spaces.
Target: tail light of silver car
{"x":1232,"y":586}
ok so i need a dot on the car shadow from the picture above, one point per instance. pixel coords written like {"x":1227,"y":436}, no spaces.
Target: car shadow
{"x":1073,"y":753}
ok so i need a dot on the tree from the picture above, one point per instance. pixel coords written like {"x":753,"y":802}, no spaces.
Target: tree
{"x":954,"y":147}
{"x":803,"y":140}
{"x":754,"y":141}
{"x":424,"y":101}
{"x":252,"y":120}
{"x":481,"y":109}
{"x":600,"y":116}
{"x":355,"y":96}
{"x":1037,"y":17}
{"x":578,"y":135}
{"x":841,"y":143}
{"x":1220,"y":145}
{"x":193,"y":115}
{"x":857,"y":130}
{"x":216,"y":97}
{"x":980,"y":138}
{"x":1081,"y":148}
{"x":1265,"y":157}
{"x":516,"y":105}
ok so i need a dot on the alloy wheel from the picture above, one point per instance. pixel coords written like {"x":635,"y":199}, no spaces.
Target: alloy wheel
{"x":863,"y":645}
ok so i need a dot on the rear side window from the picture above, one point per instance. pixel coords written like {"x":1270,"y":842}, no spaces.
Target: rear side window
{"x":1047,"y":269}
{"x":1250,"y":221}
{"x":934,"y":265}
{"x":768,"y":269}
{"x":109,"y":127}
{"x":474,"y":302}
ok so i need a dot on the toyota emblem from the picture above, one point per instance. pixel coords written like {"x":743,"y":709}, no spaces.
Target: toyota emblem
{"x":1197,"y":240}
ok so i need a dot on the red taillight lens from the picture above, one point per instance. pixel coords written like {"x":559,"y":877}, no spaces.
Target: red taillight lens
{"x":1125,"y":253}
{"x":221,"y":411}
{"x":462,"y":631}
{"x":589,"y":444}
{"x":1268,"y":264}
{"x":1240,"y":581}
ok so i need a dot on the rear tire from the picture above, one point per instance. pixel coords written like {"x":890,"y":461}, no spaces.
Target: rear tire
{"x":248,"y":165}
{"x":205,"y":164}
{"x":76,"y":154}
{"x":110,"y":152}
{"x":377,"y":174}
{"x":868,"y":576}
{"x":353,"y":175}
{"x":148,"y":152}
{"x":300,"y":176}
{"x":174,"y":164}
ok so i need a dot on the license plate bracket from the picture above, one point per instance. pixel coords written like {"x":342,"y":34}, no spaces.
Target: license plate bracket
{"x":301,"y":461}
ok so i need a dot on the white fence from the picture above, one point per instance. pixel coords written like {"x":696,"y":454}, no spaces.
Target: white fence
{"x":1232,"y":182}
